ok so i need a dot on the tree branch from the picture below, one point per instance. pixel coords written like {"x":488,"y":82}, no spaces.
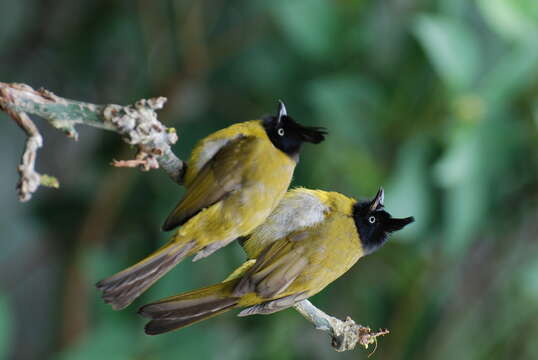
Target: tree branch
{"x":345,"y":335}
{"x":30,"y":179}
{"x":137,"y":124}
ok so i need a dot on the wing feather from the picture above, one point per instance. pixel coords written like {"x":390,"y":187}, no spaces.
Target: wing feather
{"x":275,"y":269}
{"x":220,"y":176}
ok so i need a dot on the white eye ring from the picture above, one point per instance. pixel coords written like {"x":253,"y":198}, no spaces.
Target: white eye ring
{"x":280,"y":132}
{"x":371,"y":219}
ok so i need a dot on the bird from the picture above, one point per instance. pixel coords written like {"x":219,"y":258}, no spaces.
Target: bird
{"x":234,"y":178}
{"x":309,"y":240}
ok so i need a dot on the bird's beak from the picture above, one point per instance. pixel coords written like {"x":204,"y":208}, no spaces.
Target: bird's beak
{"x":281,"y":111}
{"x":395,"y":224}
{"x":377,"y":202}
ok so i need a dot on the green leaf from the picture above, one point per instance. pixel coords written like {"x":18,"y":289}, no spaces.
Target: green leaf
{"x":350,"y":102}
{"x":512,"y":19}
{"x":410,"y":191}
{"x":475,"y":171}
{"x":528,"y":282}
{"x":350,"y":105}
{"x":309,"y":25}
{"x":451,"y":48}
{"x":453,"y":8}
{"x":512,"y":73}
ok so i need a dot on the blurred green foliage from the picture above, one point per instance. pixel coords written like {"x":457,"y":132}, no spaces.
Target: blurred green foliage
{"x":437,"y":101}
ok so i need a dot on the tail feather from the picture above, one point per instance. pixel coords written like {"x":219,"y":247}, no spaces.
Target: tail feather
{"x":122,"y":289}
{"x":183,"y":310}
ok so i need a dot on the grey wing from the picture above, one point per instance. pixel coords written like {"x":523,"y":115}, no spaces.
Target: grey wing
{"x":275,"y":269}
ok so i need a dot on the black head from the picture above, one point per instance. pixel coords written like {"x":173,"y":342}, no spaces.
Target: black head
{"x":288,"y":135}
{"x":374,"y":224}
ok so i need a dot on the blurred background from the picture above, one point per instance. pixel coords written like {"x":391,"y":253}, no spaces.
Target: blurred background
{"x":437,"y":101}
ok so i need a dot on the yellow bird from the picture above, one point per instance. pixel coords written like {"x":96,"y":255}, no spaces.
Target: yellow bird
{"x":310,"y":240}
{"x":235,"y":177}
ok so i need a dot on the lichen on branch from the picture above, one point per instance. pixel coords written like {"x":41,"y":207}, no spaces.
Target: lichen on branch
{"x":137,"y":124}
{"x":345,"y":335}
{"x":29,"y":178}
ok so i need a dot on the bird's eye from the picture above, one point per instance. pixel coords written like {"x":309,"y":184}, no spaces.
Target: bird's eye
{"x":280,"y":132}
{"x":371,"y":219}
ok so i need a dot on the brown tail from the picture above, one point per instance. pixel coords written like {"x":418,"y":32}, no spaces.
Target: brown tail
{"x":186,"y":309}
{"x":122,"y":289}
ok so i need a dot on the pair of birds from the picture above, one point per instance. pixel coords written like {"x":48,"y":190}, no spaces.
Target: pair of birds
{"x":297,"y":242}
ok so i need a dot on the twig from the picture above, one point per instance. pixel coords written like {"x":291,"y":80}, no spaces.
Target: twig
{"x":345,"y":335}
{"x":29,"y":179}
{"x":137,"y":124}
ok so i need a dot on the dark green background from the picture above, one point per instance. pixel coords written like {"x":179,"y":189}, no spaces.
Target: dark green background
{"x":437,"y":101}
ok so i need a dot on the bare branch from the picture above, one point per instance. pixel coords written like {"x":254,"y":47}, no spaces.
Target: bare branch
{"x":345,"y":335}
{"x":137,"y":124}
{"x":29,"y":179}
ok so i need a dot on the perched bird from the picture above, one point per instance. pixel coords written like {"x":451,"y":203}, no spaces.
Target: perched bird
{"x":235,"y":177}
{"x":310,"y":239}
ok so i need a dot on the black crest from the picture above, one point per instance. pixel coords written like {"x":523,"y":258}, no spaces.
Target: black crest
{"x":374,"y":224}
{"x":288,"y":135}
